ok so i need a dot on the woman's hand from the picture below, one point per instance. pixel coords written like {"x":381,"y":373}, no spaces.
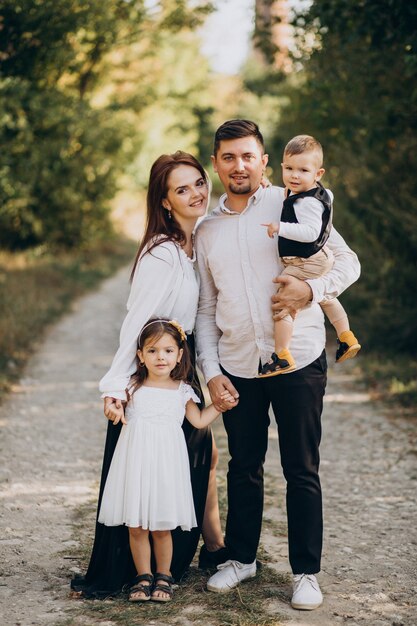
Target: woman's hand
{"x":114,"y":411}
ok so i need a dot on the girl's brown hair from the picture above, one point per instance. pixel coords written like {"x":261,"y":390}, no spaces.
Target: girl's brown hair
{"x":153,"y":331}
{"x":159,"y":226}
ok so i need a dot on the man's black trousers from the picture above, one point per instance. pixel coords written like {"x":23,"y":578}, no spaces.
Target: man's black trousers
{"x":297,"y":402}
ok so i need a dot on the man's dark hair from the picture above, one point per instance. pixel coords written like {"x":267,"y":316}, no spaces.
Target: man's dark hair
{"x":235,"y":129}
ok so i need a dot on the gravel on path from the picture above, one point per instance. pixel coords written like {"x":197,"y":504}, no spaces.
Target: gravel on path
{"x":52,"y":433}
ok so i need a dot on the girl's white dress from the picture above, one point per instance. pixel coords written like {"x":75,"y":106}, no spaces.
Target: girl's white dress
{"x":149,"y":483}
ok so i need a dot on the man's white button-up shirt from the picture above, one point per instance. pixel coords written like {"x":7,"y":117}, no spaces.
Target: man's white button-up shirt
{"x":237,"y":263}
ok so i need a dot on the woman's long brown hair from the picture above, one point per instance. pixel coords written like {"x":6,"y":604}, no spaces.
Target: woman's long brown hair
{"x":159,"y":227}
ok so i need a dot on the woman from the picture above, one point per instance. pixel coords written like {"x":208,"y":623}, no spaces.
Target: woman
{"x":164,"y":284}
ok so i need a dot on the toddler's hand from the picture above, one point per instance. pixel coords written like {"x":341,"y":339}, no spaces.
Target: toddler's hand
{"x":272,"y":229}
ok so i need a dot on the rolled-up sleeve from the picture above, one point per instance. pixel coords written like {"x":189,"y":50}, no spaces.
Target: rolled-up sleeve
{"x":152,"y":283}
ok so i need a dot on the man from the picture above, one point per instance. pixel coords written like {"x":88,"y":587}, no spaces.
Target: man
{"x":238,"y":265}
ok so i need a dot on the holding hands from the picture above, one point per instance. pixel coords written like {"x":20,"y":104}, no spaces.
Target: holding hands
{"x":227,"y":397}
{"x":223,"y":394}
{"x":114,"y":410}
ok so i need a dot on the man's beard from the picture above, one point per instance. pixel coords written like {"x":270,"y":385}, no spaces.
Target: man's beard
{"x":240,"y":189}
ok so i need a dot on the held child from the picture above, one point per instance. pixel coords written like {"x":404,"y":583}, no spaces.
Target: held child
{"x":148,"y":487}
{"x":305,"y":225}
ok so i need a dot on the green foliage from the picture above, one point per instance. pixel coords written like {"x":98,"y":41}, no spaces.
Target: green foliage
{"x":56,"y":169}
{"x":179,"y":115}
{"x":357,"y":94}
{"x":393,"y":381}
{"x":67,"y":129}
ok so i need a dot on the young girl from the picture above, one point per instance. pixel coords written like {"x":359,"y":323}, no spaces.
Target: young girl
{"x":148,"y":487}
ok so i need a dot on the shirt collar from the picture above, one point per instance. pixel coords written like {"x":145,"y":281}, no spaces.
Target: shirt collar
{"x":254,"y":199}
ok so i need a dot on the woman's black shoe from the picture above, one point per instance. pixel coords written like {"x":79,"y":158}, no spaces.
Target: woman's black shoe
{"x":210,"y":560}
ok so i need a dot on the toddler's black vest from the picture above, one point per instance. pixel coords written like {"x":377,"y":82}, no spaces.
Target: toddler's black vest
{"x":288,"y":247}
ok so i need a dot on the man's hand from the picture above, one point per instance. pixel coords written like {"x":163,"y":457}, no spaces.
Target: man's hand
{"x":293,"y":294}
{"x":218,"y":386}
{"x":114,"y":411}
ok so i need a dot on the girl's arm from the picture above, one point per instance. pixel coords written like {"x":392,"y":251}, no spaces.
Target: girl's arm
{"x":202,"y":418}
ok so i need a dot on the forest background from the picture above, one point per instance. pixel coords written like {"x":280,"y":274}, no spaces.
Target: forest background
{"x":92,"y":92}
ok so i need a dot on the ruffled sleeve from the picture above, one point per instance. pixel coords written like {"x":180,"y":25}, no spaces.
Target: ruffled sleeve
{"x":189,"y":394}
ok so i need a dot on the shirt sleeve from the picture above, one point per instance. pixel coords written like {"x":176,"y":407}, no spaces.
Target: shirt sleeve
{"x":308,"y":212}
{"x":207,"y":332}
{"x":345,"y":271}
{"x":152,"y":285}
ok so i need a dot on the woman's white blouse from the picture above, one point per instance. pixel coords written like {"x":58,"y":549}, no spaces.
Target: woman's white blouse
{"x":165,"y":285}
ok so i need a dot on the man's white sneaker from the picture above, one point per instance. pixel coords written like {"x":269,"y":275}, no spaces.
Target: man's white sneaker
{"x":229,"y":575}
{"x":306,"y":592}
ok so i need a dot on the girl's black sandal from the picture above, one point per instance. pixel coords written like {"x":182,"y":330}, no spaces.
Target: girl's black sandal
{"x":137,"y":587}
{"x":164,"y":588}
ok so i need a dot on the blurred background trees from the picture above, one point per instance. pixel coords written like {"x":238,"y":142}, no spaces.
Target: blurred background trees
{"x":78,"y":82}
{"x":92,"y":92}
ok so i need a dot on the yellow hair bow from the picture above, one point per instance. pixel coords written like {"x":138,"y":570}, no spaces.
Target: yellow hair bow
{"x":178,"y":326}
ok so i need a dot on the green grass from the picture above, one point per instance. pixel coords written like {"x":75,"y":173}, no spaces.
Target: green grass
{"x":245,"y":606}
{"x":393,"y":380}
{"x":37,"y":287}
{"x":389,"y":377}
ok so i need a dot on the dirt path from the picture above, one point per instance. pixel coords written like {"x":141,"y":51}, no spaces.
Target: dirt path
{"x":51,"y":441}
